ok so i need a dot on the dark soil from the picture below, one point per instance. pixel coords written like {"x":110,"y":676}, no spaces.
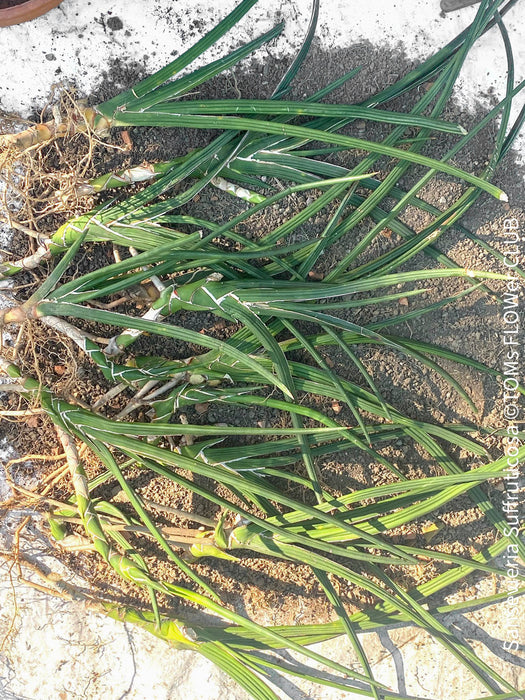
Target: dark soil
{"x":278,"y":592}
{"x":5,"y":4}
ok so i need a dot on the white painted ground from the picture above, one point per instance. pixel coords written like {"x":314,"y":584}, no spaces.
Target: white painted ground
{"x":59,"y":651}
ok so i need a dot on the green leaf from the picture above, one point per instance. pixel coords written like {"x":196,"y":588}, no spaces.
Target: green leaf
{"x":153,"y":81}
{"x":167,"y":116}
{"x":231,"y":663}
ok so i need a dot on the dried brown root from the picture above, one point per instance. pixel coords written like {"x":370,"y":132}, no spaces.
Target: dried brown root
{"x":35,"y":457}
{"x":80,"y":120}
{"x":41,"y":166}
{"x":56,"y":586}
{"x":46,"y":351}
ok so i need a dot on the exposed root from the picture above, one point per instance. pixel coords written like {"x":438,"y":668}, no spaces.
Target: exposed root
{"x":26,"y":498}
{"x":40,"y":169}
{"x":53,"y":583}
{"x":16,"y":611}
{"x":35,"y":458}
{"x":41,"y":352}
{"x":78,"y":120}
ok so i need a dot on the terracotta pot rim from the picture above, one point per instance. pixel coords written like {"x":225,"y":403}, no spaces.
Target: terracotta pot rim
{"x":30,"y":9}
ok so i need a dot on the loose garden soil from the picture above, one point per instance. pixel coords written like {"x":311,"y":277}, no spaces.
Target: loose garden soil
{"x":270,"y":591}
{"x":4,"y":4}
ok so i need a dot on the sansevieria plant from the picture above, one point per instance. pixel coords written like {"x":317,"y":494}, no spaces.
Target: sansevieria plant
{"x":282,"y":319}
